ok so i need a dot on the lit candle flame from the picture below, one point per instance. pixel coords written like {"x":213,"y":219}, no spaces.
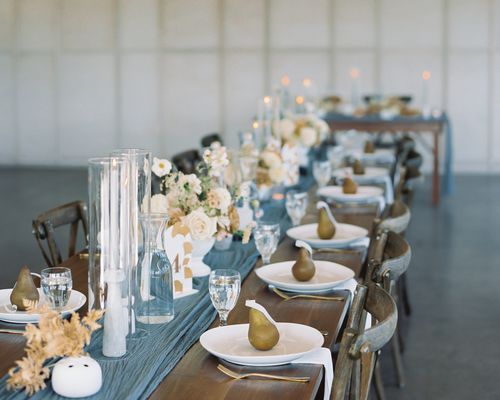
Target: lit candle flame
{"x":255,"y":125}
{"x":299,"y":100}
{"x":267,"y":99}
{"x":426,"y":75}
{"x":307,"y":82}
{"x":354,"y":72}
{"x":285,"y":80}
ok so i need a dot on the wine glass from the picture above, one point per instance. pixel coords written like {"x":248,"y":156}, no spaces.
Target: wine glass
{"x":267,"y":237}
{"x":56,"y":284}
{"x":296,"y":205}
{"x":322,"y":171}
{"x":224,"y":287}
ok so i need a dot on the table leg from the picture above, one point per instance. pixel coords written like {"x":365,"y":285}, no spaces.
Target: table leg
{"x":436,"y":190}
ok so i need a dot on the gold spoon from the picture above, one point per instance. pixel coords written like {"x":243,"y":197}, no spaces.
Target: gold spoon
{"x":236,"y":375}
{"x":306,"y":296}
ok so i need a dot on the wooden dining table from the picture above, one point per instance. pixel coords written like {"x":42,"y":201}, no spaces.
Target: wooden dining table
{"x":196,"y":375}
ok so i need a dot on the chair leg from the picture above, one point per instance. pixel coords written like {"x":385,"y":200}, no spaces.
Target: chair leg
{"x":400,"y":340}
{"x":404,"y":295}
{"x":398,"y":362}
{"x":377,"y":381}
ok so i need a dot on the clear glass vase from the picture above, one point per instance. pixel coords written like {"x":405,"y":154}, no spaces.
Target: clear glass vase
{"x":154,"y":262}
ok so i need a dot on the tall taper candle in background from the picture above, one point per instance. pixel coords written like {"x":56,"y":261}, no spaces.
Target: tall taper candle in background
{"x":354,"y":74}
{"x":426,"y":108}
{"x":285,"y":94}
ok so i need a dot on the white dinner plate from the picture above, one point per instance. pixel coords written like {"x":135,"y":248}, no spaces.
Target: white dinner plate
{"x":370,"y":174}
{"x":328,"y":275}
{"x":380,"y":155}
{"x":345,"y":235}
{"x":231,"y":343}
{"x":362,"y":194}
{"x":76,"y":301}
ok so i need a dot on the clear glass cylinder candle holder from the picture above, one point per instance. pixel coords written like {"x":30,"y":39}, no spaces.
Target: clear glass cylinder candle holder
{"x":110,"y":243}
{"x":139,"y":164}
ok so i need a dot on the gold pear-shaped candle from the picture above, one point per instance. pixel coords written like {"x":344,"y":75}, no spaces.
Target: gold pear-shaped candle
{"x":349,"y":186}
{"x":326,"y":222}
{"x":303,"y":269}
{"x":24,"y":289}
{"x":262,"y":331}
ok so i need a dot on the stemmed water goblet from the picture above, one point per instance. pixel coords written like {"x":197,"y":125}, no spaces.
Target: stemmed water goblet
{"x":322,"y":171}
{"x":224,"y":287}
{"x":296,"y":205}
{"x":267,"y":237}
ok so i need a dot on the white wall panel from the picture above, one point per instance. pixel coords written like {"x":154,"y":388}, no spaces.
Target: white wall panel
{"x":6,"y":23}
{"x":297,"y":23}
{"x":139,"y":23}
{"x":402,"y":74}
{"x":7,"y":126}
{"x":35,"y":109}
{"x":496,"y":111}
{"x":139,"y":106}
{"x":354,"y":23}
{"x":496,"y":28}
{"x":243,"y":86}
{"x":190,"y":23}
{"x":87,"y":118}
{"x":88,"y":24}
{"x":244,"y":23}
{"x":297,"y":65}
{"x":364,"y":63}
{"x":191,"y":100}
{"x":410,"y":23}
{"x":468,"y":106}
{"x":37,"y":24}
{"x":468,"y":23}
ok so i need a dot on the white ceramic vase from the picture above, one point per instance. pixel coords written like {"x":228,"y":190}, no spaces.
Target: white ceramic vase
{"x":224,"y":244}
{"x":200,"y":249}
{"x":76,"y":377}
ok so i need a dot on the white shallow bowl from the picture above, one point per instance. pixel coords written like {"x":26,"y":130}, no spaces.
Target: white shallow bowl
{"x":230,"y":343}
{"x":345,"y":235}
{"x":75,"y":302}
{"x":371,"y":174}
{"x":328,"y":275}
{"x":363,"y":193}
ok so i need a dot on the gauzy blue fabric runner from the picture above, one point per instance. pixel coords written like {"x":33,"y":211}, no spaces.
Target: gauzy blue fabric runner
{"x":151,"y":358}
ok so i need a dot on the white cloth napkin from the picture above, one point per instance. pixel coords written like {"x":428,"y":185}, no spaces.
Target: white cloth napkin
{"x":351,"y":285}
{"x":320,"y":356}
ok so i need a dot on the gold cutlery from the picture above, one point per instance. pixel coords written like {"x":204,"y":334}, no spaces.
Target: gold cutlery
{"x":286,"y":297}
{"x":236,"y":375}
{"x":13,"y":331}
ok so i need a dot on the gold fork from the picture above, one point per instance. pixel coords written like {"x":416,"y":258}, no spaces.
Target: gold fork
{"x":305,"y":296}
{"x":236,"y":375}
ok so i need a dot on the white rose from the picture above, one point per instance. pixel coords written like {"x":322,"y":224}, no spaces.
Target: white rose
{"x":308,"y":136}
{"x":159,"y":204}
{"x":287,"y":127}
{"x":200,"y":225}
{"x":271,"y":159}
{"x":161,"y":167}
{"x":322,"y":127}
{"x":224,"y":199}
{"x":277,"y":174}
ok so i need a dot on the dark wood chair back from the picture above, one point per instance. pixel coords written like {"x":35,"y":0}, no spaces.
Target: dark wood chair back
{"x":72,"y":214}
{"x":397,"y":219}
{"x":187,"y":161}
{"x":207,"y":140}
{"x":359,"y":347}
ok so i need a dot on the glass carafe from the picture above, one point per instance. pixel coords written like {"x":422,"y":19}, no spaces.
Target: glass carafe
{"x":155,"y":265}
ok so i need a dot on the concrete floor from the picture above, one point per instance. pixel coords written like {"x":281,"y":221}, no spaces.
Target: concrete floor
{"x":452,"y":347}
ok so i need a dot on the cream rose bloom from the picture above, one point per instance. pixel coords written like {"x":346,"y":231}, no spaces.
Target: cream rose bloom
{"x":159,"y":204}
{"x":271,"y":159}
{"x":287,"y":127}
{"x":224,"y":199}
{"x":277,"y":174}
{"x":200,"y":225}
{"x":308,"y":136}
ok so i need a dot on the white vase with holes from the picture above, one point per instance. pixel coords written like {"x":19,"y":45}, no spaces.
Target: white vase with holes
{"x":76,"y":377}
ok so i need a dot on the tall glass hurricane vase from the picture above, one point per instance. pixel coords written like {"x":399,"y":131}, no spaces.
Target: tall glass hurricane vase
{"x":139,"y":163}
{"x":110,"y":249}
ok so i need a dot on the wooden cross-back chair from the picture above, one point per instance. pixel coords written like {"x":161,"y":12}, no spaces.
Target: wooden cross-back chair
{"x":358,"y":350}
{"x":207,"y":140}
{"x":187,"y":161}
{"x":389,"y":262}
{"x":45,"y":224}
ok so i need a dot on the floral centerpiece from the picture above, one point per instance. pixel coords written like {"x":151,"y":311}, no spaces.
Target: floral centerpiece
{"x":305,"y":130}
